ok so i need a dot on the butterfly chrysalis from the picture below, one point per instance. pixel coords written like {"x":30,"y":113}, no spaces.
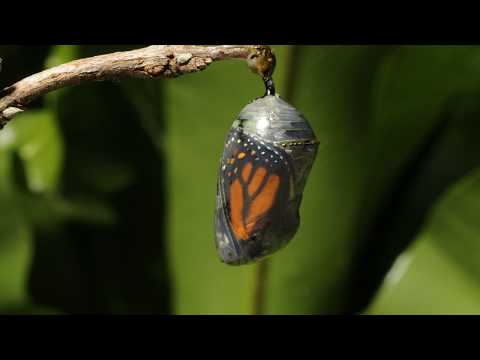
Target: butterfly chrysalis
{"x":267,"y":157}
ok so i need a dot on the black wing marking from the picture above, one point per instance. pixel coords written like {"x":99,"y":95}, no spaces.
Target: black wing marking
{"x":241,"y":149}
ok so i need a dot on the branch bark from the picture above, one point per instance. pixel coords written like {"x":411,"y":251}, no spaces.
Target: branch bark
{"x":150,"y":62}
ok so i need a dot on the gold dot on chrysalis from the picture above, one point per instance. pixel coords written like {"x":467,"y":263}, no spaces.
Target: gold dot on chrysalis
{"x":241,"y":155}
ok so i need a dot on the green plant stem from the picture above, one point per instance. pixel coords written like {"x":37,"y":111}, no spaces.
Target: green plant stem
{"x":261,"y":271}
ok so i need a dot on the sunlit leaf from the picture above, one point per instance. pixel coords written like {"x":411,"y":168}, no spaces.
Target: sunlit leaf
{"x":39,"y":145}
{"x":440,"y":272}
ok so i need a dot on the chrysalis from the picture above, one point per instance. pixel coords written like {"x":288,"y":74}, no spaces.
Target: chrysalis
{"x":268,"y":154}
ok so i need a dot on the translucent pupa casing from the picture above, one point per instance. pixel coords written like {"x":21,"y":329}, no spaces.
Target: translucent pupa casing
{"x":267,"y":158}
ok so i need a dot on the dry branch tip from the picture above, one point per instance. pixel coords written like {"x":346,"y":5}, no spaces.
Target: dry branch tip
{"x":154,"y":61}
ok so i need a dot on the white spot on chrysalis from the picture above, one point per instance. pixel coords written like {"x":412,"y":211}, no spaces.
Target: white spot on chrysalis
{"x":262,"y":124}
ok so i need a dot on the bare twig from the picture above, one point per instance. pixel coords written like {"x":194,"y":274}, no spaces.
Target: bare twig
{"x":149,"y":62}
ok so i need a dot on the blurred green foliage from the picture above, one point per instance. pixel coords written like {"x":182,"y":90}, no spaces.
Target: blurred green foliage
{"x":107,"y":190}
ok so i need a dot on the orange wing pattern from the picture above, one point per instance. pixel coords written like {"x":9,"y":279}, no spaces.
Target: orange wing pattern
{"x":259,"y":201}
{"x":236,"y":210}
{"x":268,"y":154}
{"x":262,"y":202}
{"x":251,"y":180}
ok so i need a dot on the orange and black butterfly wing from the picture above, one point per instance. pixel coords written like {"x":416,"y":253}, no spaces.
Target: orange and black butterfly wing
{"x":252,"y":199}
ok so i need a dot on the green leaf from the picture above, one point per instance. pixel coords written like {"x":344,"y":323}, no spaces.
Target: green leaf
{"x":15,"y":254}
{"x":30,"y":162}
{"x":309,"y":275}
{"x":379,"y":115}
{"x":61,"y":54}
{"x":440,"y":272}
{"x":200,"y":109}
{"x":36,"y":138}
{"x":49,"y":211}
{"x":112,"y":176}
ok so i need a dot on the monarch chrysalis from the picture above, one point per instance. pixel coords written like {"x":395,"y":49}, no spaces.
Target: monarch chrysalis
{"x":268,"y":154}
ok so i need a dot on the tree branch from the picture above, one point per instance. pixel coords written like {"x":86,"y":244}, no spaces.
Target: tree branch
{"x":149,"y":62}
